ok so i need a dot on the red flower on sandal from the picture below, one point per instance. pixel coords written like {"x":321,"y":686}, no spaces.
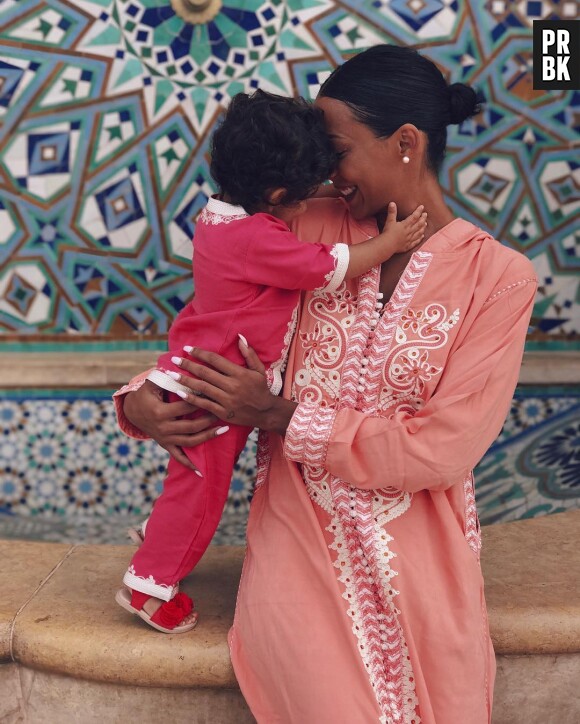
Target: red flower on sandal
{"x":173,"y":612}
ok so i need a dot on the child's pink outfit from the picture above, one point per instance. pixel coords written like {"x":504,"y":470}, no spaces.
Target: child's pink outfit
{"x":249,"y":271}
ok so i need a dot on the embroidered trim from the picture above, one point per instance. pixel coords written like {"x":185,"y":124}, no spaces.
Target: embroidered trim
{"x":363,"y":559}
{"x":510,"y":286}
{"x":149,"y":585}
{"x":472,"y":527}
{"x":219,"y":212}
{"x":386,"y":334}
{"x":275,"y":371}
{"x":127,"y":427}
{"x":308,"y":434}
{"x":358,"y":516}
{"x":263,"y":457}
{"x":341,"y":254}
{"x":163,"y":380}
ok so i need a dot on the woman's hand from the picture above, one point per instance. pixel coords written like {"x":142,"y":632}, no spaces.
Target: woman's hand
{"x":234,"y":393}
{"x":146,"y":409}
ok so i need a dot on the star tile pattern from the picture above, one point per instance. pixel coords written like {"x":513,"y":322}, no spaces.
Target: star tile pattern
{"x":106,"y":108}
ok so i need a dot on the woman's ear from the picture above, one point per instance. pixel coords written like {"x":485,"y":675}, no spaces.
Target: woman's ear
{"x":409,"y":140}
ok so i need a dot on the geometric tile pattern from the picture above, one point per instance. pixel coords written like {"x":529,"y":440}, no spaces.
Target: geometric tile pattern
{"x":64,"y":462}
{"x":68,"y":473}
{"x":106,"y":108}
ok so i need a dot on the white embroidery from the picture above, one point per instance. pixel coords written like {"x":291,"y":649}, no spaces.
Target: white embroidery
{"x":276,"y":370}
{"x":334,"y":278}
{"x":149,"y":585}
{"x":407,"y":368}
{"x":331,"y":378}
{"x":220,"y":212}
{"x":472,"y":529}
{"x":212,"y":219}
{"x":511,"y":286}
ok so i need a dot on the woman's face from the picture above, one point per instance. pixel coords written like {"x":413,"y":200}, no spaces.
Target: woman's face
{"x":367,"y":173}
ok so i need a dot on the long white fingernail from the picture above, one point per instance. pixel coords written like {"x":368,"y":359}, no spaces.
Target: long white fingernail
{"x":243,"y":339}
{"x":173,"y":375}
{"x":221,"y":430}
{"x":188,"y":349}
{"x":198,"y":473}
{"x":177,"y":361}
{"x":181,"y":394}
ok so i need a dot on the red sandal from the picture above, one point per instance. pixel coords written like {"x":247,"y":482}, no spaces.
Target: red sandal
{"x":168,"y":617}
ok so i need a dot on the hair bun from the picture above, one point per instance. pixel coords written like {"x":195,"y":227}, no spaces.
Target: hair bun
{"x":463,"y":103}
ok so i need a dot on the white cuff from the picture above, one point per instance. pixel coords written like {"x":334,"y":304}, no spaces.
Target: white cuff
{"x":162,"y":379}
{"x":341,"y":253}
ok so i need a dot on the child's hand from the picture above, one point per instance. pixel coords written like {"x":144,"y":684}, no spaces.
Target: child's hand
{"x":408,"y":233}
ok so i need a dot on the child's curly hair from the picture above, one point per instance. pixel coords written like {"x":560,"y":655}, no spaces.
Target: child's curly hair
{"x":266,"y":142}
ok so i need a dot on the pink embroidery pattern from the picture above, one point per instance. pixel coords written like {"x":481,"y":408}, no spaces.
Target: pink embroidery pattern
{"x":389,"y":332}
{"x":361,"y":544}
{"x":274,"y":379}
{"x":319,"y":380}
{"x":212,"y":218}
{"x":263,"y":457}
{"x":407,"y":370}
{"x":472,"y":528}
{"x":127,"y":427}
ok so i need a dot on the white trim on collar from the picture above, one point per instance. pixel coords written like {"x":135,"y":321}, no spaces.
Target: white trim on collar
{"x":224,"y":209}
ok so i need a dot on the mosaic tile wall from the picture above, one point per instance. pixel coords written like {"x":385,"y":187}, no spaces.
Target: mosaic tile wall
{"x":67,"y":473}
{"x":106,"y":107}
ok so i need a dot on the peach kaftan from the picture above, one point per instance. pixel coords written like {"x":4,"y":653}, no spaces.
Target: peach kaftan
{"x":361,"y":598}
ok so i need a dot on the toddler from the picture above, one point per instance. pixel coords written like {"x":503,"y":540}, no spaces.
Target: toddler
{"x":269,"y":155}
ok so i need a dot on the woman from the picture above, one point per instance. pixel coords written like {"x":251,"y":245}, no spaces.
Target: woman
{"x":361,"y":598}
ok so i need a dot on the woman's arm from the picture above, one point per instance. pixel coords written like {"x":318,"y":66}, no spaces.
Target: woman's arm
{"x":142,"y":412}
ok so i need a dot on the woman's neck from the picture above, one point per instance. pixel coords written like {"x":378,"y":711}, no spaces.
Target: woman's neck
{"x":430,"y":195}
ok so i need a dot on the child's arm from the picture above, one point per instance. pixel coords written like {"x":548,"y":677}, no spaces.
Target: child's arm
{"x":275,"y":257}
{"x":397,"y":237}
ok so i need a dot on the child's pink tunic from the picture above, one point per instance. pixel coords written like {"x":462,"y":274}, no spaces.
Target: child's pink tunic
{"x":249,"y":271}
{"x":361,"y":597}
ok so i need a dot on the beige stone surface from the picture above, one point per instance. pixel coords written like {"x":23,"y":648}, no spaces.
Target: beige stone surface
{"x":23,"y":567}
{"x":532,"y":584}
{"x":50,"y":698}
{"x":10,"y":694}
{"x":73,"y":369}
{"x":73,"y":625}
{"x":540,"y":689}
{"x":549,"y":368}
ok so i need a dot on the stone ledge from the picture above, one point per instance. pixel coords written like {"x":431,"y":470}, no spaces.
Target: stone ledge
{"x":72,"y":626}
{"x":531,"y":570}
{"x":113,"y":369}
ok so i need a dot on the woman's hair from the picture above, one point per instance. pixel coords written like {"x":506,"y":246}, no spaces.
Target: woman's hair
{"x":388,"y":86}
{"x":267,"y":142}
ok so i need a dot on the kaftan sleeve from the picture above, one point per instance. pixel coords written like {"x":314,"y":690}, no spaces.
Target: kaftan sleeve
{"x":445,"y":440}
{"x":277,"y":258}
{"x":118,"y":398}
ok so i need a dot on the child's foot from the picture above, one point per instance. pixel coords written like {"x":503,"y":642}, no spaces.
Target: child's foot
{"x":175,"y":616}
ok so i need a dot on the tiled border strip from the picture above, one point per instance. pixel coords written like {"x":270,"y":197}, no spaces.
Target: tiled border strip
{"x":58,"y":370}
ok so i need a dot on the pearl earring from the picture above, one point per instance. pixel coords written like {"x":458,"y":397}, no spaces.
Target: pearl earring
{"x":406,"y":159}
